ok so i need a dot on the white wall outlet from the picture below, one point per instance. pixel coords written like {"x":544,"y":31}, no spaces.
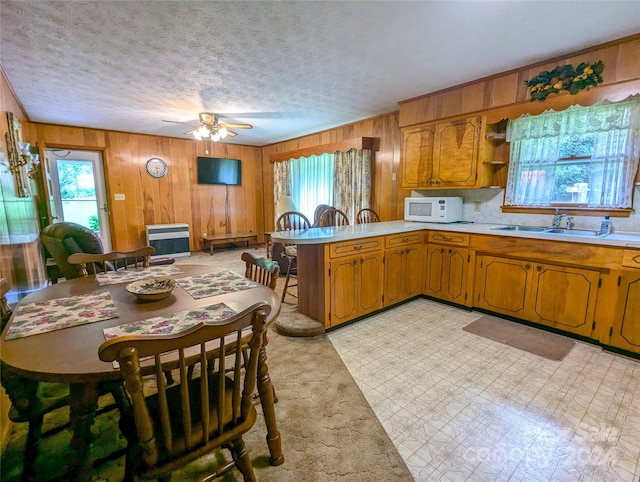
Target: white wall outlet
{"x":118,"y":197}
{"x":393,"y":176}
{"x":476,"y":206}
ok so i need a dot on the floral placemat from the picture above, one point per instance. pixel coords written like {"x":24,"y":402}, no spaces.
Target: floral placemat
{"x":134,"y":274}
{"x":216,"y":283}
{"x":45,"y":316}
{"x":164,"y":325}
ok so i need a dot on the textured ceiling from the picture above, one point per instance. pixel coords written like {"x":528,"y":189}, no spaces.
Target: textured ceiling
{"x":289,"y":68}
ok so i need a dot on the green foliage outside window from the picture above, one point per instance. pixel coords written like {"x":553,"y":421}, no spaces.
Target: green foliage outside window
{"x":570,"y":174}
{"x":94,"y":223}
{"x":72,"y":175}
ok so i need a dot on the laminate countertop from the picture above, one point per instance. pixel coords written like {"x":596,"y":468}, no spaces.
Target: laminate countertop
{"x":358,"y":231}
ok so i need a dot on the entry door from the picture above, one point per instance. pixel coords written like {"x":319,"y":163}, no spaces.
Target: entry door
{"x":78,"y":191}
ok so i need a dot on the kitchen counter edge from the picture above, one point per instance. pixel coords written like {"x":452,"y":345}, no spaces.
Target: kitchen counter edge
{"x":358,"y":231}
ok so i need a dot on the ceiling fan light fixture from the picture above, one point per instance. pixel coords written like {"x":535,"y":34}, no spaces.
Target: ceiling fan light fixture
{"x":222,"y":132}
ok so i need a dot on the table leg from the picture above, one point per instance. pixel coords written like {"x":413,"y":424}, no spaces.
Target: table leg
{"x":82,"y":409}
{"x":267,"y":400}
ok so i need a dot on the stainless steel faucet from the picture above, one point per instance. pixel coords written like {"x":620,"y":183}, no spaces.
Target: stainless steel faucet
{"x":569,"y":222}
{"x":557,"y":219}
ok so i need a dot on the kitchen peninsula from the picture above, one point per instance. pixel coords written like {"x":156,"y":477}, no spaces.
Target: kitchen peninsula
{"x":583,"y":286}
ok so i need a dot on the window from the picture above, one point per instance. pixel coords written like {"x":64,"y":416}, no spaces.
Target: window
{"x":342,"y":179}
{"x":311,"y":181}
{"x":580,"y":157}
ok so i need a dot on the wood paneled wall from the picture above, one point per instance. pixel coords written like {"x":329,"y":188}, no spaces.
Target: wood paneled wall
{"x":175,"y":198}
{"x":386,"y":161}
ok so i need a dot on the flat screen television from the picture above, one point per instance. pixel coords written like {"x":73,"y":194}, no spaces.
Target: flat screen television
{"x":218,"y":170}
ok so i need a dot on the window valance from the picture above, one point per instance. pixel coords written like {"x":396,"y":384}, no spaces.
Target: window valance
{"x":577,"y":120}
{"x":357,"y":143}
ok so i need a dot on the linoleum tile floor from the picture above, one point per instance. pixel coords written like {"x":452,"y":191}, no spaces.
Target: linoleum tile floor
{"x":460,"y":407}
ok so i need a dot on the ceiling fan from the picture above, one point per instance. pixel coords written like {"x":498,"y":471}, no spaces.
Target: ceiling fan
{"x":211,"y":127}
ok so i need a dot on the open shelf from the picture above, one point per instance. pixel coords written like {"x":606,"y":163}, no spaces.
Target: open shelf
{"x":496,"y":136}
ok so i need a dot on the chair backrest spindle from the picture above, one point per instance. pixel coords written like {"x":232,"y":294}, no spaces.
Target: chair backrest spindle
{"x":333,"y":217}
{"x":367,"y":215}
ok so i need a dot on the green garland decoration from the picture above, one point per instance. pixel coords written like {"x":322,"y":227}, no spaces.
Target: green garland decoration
{"x":565,"y":77}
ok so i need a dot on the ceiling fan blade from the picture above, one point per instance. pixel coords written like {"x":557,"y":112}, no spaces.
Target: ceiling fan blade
{"x":178,"y":122}
{"x":190,"y":133}
{"x":231,"y":133}
{"x":236,"y":126}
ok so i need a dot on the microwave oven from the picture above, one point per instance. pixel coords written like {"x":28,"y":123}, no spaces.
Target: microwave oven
{"x":433,"y":209}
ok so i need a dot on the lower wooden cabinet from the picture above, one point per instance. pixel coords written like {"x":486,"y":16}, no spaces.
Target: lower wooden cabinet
{"x":446,"y":273}
{"x":502,"y":285}
{"x":403,"y":268}
{"x":564,"y":297}
{"x":625,"y":331}
{"x":557,"y":296}
{"x":356,"y":286}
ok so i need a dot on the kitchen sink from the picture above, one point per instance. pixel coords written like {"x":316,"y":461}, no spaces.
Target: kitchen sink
{"x":576,"y":232}
{"x":547,"y":230}
{"x":534,"y":229}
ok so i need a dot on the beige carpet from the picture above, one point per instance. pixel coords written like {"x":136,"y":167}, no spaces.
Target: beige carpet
{"x":329,"y":431}
{"x":536,"y":341}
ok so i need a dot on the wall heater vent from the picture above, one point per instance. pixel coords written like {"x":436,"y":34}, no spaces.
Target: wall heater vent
{"x":168,"y":239}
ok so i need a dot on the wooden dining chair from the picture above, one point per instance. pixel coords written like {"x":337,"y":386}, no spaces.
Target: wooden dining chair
{"x":260,"y":270}
{"x":333,"y":217}
{"x":320,"y":208}
{"x":291,"y":220}
{"x":266,"y":273}
{"x":31,"y":400}
{"x":367,"y":215}
{"x":178,"y":424}
{"x":113,"y":261}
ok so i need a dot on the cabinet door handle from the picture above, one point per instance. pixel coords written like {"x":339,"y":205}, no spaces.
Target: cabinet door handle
{"x":355,"y":262}
{"x":357,"y":248}
{"x":538,"y":268}
{"x":450,"y":251}
{"x":526,"y":266}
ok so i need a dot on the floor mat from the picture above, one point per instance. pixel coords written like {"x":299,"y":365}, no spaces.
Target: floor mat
{"x":539,"y":342}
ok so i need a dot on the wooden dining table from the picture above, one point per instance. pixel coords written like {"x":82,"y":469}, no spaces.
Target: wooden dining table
{"x":70,"y":355}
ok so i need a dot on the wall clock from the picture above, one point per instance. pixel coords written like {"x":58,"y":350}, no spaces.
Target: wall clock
{"x":156,"y":167}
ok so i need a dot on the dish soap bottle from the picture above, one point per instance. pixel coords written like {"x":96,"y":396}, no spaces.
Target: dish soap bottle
{"x":605,"y":226}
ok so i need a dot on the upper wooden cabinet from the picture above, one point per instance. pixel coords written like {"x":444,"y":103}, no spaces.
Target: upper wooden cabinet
{"x":443,"y":155}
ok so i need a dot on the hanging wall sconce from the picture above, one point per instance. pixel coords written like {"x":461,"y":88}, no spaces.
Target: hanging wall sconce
{"x":18,"y":160}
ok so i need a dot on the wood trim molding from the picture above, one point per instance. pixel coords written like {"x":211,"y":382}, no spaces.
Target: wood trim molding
{"x":358,"y":143}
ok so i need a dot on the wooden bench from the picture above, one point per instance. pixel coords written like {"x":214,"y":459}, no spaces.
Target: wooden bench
{"x":212,"y":239}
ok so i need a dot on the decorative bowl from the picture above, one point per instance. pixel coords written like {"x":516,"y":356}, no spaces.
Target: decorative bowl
{"x":152,"y":289}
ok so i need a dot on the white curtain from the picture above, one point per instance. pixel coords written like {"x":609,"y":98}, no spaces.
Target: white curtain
{"x":535,"y":149}
{"x":311,"y":180}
